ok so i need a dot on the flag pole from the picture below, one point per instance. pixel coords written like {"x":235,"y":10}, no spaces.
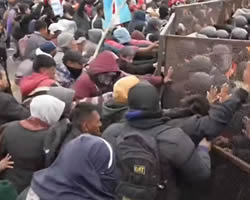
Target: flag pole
{"x":104,"y":34}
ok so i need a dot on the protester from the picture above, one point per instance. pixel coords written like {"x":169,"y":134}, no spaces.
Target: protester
{"x":71,"y":69}
{"x":195,"y":120}
{"x":97,"y":22}
{"x":67,"y":21}
{"x":36,"y":39}
{"x":84,"y":119}
{"x":48,"y":49}
{"x":82,"y":19}
{"x":102,"y":72}
{"x":21,"y":24}
{"x":101,"y":75}
{"x":23,"y":140}
{"x":115,"y":109}
{"x":44,"y":68}
{"x":25,"y":68}
{"x":153,"y":26}
{"x":145,"y":117}
{"x":128,"y":64}
{"x":65,"y":178}
{"x":65,"y":42}
{"x":11,"y":109}
{"x":139,"y":20}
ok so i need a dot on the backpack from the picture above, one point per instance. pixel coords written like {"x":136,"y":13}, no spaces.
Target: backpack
{"x":139,"y":165}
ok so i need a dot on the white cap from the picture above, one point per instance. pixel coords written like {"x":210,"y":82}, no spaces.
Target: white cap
{"x":56,"y":27}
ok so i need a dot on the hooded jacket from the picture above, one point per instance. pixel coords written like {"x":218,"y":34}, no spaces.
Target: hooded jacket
{"x":177,"y":152}
{"x":84,"y":86}
{"x":112,"y":112}
{"x":85,"y":169}
{"x":36,"y":80}
{"x":139,"y":18}
{"x":23,"y":140}
{"x":35,"y":41}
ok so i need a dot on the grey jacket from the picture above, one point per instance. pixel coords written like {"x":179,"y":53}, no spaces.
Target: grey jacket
{"x":34,"y":41}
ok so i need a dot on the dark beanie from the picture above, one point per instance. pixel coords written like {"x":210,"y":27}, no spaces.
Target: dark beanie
{"x":144,"y":96}
{"x":48,"y":47}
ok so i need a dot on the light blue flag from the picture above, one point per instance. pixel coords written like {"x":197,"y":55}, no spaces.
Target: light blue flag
{"x":123,"y":10}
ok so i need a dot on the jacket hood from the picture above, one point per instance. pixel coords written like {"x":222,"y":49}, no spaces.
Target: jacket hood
{"x":29,"y":83}
{"x":95,"y":35}
{"x":64,"y":94}
{"x":65,"y":178}
{"x":104,"y":63}
{"x":111,"y":108}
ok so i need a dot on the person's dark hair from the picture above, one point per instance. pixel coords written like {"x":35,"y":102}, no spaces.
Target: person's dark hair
{"x":43,"y":61}
{"x":80,"y":11}
{"x":154,"y":37}
{"x":82,"y":112}
{"x":67,"y":8}
{"x":79,"y":34}
{"x":163,"y":11}
{"x":39,"y":25}
{"x":73,"y":56}
{"x":99,"y":8}
{"x":197,"y":103}
{"x":22,"y":7}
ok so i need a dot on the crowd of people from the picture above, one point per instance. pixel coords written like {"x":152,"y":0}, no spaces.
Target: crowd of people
{"x":95,"y":121}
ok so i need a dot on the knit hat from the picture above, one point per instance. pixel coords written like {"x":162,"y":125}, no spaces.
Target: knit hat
{"x":48,"y":47}
{"x":7,"y":190}
{"x":64,"y":39}
{"x":122,"y":87}
{"x":122,"y":35}
{"x":144,"y":96}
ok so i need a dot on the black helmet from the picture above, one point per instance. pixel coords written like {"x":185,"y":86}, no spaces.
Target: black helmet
{"x":222,"y":34}
{"x":239,"y":34}
{"x":209,"y":31}
{"x":240,"y":21}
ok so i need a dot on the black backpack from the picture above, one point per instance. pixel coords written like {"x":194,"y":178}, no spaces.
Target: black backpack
{"x":139,"y":165}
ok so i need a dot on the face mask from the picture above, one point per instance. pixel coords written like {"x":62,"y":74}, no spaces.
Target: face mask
{"x":75,"y":73}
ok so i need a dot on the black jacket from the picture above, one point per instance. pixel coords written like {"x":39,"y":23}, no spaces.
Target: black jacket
{"x":26,"y":148}
{"x":210,"y":126}
{"x":11,"y":110}
{"x":60,"y":134}
{"x":176,"y":150}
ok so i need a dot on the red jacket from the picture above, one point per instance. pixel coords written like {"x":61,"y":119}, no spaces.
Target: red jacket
{"x":84,"y":86}
{"x":105,"y":62}
{"x":34,"y":81}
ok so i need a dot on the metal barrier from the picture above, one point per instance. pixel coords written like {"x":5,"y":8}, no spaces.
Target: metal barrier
{"x":198,"y":15}
{"x":195,"y":16}
{"x":180,"y":49}
{"x":230,"y":179}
